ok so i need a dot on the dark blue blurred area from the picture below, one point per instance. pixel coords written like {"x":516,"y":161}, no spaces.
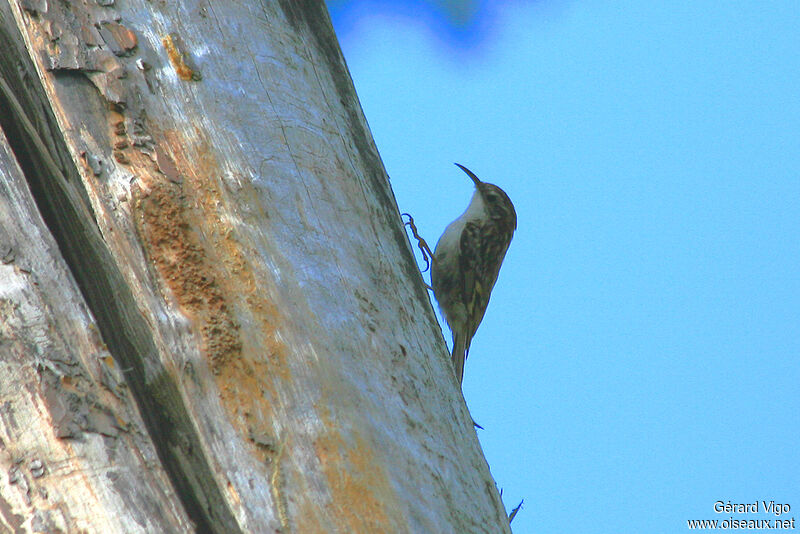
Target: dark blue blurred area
{"x":462,"y":24}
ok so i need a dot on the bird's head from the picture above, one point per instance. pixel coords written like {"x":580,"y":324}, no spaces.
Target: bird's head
{"x":496,"y":201}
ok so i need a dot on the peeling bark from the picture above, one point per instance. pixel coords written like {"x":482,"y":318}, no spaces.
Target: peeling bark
{"x":74,"y":453}
{"x":237,"y":311}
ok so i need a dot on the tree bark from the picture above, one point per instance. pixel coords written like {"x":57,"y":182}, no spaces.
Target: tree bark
{"x":211,"y":316}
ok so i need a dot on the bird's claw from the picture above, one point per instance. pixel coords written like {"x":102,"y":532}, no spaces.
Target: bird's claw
{"x":427,"y":255}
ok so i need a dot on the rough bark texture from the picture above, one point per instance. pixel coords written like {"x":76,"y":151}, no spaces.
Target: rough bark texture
{"x":73,"y":450}
{"x":227,"y":304}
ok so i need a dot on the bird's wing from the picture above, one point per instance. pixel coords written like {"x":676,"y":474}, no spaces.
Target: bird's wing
{"x":475,"y":292}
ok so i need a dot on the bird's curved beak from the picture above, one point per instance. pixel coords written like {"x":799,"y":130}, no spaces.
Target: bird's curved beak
{"x":469,"y":173}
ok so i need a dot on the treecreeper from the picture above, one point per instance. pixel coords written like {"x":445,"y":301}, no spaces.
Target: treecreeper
{"x":467,"y":260}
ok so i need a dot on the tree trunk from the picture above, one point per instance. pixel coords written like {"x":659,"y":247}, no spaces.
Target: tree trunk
{"x":211,"y":317}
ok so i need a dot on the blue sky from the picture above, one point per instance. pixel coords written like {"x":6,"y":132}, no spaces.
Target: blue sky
{"x":639,"y":358}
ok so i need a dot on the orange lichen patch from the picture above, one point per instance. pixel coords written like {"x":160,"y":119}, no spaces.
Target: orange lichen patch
{"x":175,"y":250}
{"x":309,"y":520}
{"x":359,"y":488}
{"x":178,"y":58}
{"x":239,"y":278}
{"x":203,"y":264}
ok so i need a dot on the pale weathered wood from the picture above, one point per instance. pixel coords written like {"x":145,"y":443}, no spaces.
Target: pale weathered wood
{"x":220,"y":203}
{"x":74,"y":456}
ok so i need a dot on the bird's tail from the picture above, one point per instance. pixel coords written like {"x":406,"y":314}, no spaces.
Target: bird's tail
{"x":459,"y":355}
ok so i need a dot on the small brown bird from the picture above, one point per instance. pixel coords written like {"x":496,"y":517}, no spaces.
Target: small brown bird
{"x":467,"y":260}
